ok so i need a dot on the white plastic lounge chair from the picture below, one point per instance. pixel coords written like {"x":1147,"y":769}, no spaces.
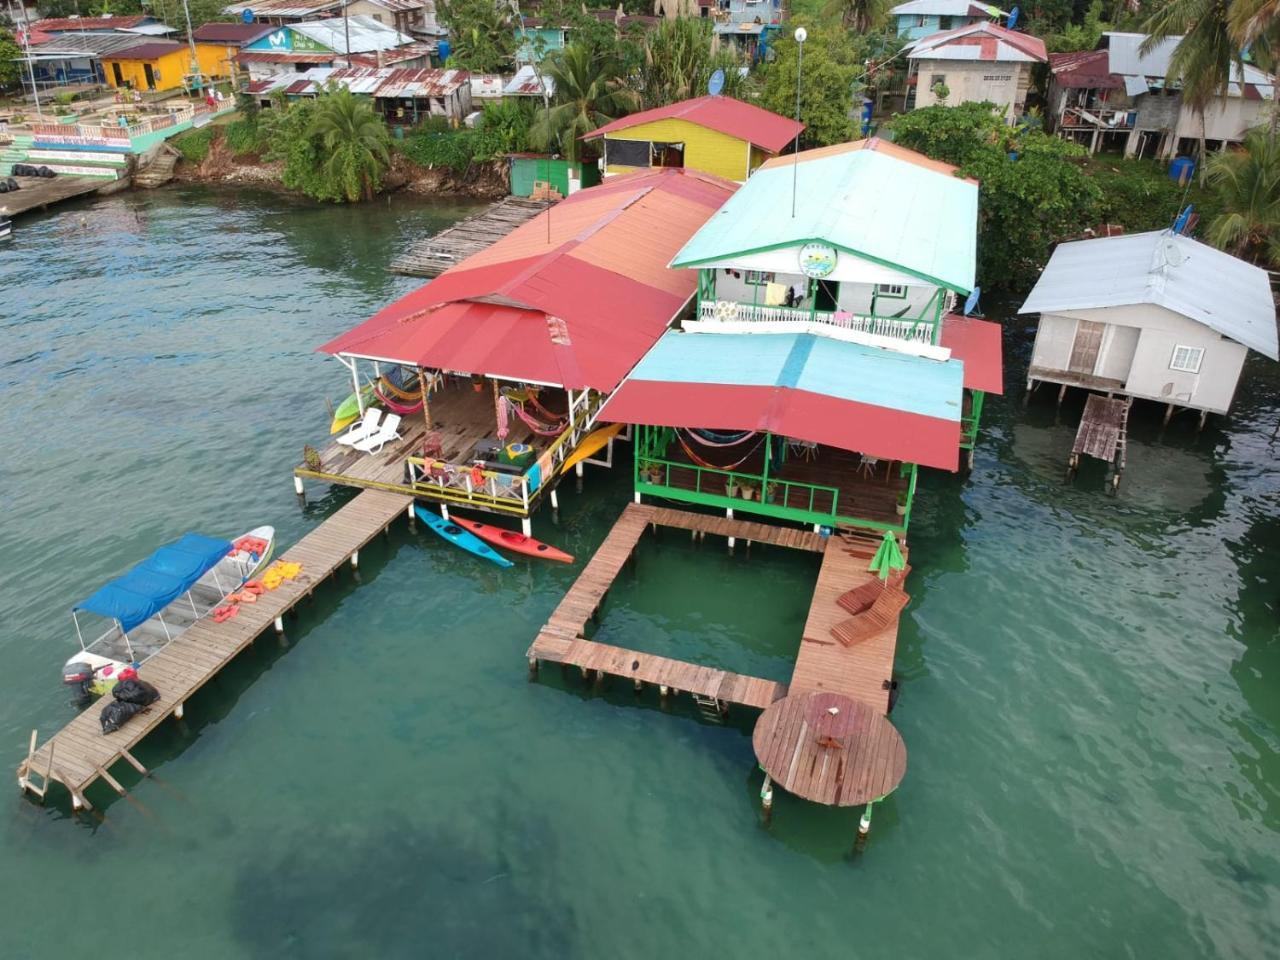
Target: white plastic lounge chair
{"x":367,"y":426}
{"x":390,"y":430}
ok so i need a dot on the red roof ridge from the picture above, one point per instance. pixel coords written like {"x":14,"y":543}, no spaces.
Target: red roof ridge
{"x":736,"y":118}
{"x":1031,"y":46}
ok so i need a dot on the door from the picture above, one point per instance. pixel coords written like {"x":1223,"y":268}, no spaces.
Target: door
{"x":150,"y":75}
{"x":826,"y":295}
{"x":116,"y":75}
{"x":1084,"y":349}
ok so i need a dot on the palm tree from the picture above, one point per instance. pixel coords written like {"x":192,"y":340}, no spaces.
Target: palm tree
{"x":356,"y":143}
{"x":1247,"y":185}
{"x":860,"y":16}
{"x":589,"y":93}
{"x":678,"y":62}
{"x":1204,"y":58}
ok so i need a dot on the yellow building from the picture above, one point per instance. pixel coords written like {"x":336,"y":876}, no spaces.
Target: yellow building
{"x":717,"y":135}
{"x":162,"y":65}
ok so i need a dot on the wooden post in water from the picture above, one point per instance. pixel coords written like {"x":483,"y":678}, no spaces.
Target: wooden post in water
{"x":766,"y":799}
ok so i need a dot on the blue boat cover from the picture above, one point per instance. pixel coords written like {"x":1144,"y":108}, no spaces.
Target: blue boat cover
{"x":157,"y":581}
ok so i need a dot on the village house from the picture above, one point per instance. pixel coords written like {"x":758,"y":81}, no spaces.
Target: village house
{"x":972,"y":64}
{"x":164,"y":65}
{"x":67,"y":50}
{"x":230,"y":39}
{"x":820,"y":368}
{"x":1157,"y":316}
{"x":402,"y":96}
{"x":361,"y":40}
{"x":917,"y":19}
{"x":746,"y":26}
{"x":1118,"y":98}
{"x":718,"y":135}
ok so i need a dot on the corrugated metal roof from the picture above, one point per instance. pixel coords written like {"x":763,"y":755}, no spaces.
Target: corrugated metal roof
{"x":870,"y":198}
{"x":889,"y":405}
{"x":753,"y":124}
{"x":231,"y":33}
{"x":148,"y":51}
{"x":947,"y":8}
{"x":980,"y":41}
{"x":280,"y":56}
{"x":282,"y":8}
{"x":486,"y":86}
{"x":60,"y":24}
{"x":1126,"y":59}
{"x":525,"y":83}
{"x":1086,"y":68}
{"x":366,"y":34}
{"x":392,"y":83}
{"x":979,"y":345}
{"x":529,"y":308}
{"x":1171,"y":271}
{"x":89,"y":44}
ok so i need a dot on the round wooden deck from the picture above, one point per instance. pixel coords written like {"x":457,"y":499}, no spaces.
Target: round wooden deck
{"x":829,"y":749}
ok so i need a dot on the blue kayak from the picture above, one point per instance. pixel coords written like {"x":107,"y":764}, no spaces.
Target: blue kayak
{"x":459,"y":537}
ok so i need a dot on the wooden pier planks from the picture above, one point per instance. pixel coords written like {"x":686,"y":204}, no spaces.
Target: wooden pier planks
{"x":863,"y":671}
{"x":81,"y":753}
{"x":37,"y":193}
{"x":1102,"y":427}
{"x":432,"y":256}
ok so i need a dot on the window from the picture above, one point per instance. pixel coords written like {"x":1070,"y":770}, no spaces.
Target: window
{"x":627,"y":153}
{"x":937,"y":78}
{"x":944,"y":23}
{"x":757,"y":278}
{"x":896,"y":290}
{"x":921,"y":21}
{"x":1187,"y":359}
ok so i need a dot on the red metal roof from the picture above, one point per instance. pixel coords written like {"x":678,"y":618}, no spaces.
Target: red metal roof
{"x":758,"y":126}
{"x":985,"y":35}
{"x":801,"y":414}
{"x":231,"y":33}
{"x":63,"y":24}
{"x":574,"y":297}
{"x":978,"y":345}
{"x":147,"y":51}
{"x":1084,"y":68}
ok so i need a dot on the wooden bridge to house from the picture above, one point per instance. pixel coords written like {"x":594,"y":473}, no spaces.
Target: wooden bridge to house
{"x":433,"y":255}
{"x":80,"y":753}
{"x":860,"y":765}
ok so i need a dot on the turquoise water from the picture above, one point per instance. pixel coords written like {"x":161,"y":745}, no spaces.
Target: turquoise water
{"x":1089,"y":683}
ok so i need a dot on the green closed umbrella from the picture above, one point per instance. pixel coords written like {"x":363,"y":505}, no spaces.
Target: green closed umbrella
{"x":888,"y":557}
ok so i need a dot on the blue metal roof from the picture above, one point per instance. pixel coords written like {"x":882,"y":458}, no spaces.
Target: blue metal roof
{"x":865,"y":200}
{"x":157,"y":581}
{"x":834,"y":368}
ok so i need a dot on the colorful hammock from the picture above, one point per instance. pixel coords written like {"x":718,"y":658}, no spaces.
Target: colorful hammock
{"x":540,"y":429}
{"x":719,"y":439}
{"x":396,"y":390}
{"x":533,"y":399}
{"x":394,"y":406}
{"x":717,"y":466}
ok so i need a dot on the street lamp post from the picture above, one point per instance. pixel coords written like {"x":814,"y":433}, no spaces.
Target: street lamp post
{"x":801,"y":36}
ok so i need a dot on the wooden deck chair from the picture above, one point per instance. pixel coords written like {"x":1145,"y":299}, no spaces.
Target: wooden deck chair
{"x":861,"y":597}
{"x":876,"y":619}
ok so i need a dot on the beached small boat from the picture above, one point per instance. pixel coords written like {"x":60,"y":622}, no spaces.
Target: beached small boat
{"x":348,"y":411}
{"x":514,"y":541}
{"x":459,"y":537}
{"x":159,"y":599}
{"x":6,"y":229}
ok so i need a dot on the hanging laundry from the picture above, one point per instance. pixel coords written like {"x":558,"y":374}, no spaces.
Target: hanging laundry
{"x":775,"y":294}
{"x":503,"y":412}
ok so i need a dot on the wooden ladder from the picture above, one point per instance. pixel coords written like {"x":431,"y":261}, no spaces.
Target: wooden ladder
{"x":709,"y":707}
{"x":26,"y":781}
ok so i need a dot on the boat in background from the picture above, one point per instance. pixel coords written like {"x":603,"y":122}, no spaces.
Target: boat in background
{"x":159,"y":599}
{"x":514,"y":541}
{"x":459,"y":537}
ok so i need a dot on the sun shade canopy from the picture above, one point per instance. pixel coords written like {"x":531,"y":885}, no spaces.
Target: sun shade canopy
{"x":888,"y":405}
{"x":157,"y":581}
{"x":572,"y":298}
{"x":978,"y":345}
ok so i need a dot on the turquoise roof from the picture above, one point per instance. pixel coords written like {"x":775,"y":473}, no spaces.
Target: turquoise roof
{"x":885,"y":208}
{"x":834,"y":368}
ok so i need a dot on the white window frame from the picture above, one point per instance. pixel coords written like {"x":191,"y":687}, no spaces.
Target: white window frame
{"x":1190,"y":360}
{"x":892,"y":291}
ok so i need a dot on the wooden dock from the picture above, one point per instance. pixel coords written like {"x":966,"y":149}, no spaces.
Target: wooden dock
{"x":1103,"y":434}
{"x":432,"y":256}
{"x":38,"y":193}
{"x":80,"y":753}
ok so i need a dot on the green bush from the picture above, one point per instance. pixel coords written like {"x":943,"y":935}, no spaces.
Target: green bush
{"x":1139,"y":195}
{"x":243,"y":136}
{"x":194,"y":144}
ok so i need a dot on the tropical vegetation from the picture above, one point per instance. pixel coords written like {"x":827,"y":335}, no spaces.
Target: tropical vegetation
{"x":1246,"y":184}
{"x":590,"y":91}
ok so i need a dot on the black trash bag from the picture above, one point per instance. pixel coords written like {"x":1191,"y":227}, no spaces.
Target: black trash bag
{"x":47,"y":173}
{"x":12,"y":183}
{"x":135,"y":691}
{"x":4,"y":186}
{"x":117,"y":713}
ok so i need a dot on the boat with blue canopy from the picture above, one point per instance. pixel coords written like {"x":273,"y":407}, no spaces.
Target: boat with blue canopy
{"x":159,"y":598}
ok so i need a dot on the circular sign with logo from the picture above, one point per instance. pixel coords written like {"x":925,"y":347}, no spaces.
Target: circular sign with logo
{"x":817,"y":260}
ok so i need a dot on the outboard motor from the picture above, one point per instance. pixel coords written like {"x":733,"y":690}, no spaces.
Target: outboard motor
{"x":79,"y":676}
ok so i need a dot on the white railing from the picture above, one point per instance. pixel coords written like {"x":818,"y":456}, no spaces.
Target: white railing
{"x":727,"y":311}
{"x":113,"y":131}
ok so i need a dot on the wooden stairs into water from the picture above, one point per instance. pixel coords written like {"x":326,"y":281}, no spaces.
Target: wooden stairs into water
{"x":80,"y":753}
{"x":160,"y":170}
{"x":432,"y":256}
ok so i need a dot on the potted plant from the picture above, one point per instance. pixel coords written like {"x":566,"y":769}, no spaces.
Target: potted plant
{"x":749,"y":491}
{"x":651,"y":473}
{"x":902,"y":503}
{"x":771,"y":491}
{"x":731,"y":486}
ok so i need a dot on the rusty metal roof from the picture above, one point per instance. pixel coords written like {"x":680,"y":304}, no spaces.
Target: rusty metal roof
{"x":400,"y":82}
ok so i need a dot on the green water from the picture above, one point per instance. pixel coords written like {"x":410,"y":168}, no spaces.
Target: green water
{"x":1089,"y":684}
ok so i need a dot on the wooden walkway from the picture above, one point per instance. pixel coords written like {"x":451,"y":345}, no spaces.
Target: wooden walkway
{"x":81,"y":753}
{"x":561,"y":639}
{"x":432,"y":256}
{"x":38,"y":193}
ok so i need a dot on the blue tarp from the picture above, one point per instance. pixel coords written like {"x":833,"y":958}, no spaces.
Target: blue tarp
{"x":157,"y":581}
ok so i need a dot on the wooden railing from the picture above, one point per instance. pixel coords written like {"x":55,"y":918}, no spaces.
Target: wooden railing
{"x":180,"y":113}
{"x":918,"y":331}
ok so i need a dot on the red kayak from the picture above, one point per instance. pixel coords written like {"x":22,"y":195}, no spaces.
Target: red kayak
{"x":513,"y":541}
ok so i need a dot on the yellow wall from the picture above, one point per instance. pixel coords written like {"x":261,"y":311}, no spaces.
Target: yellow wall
{"x":707,"y":150}
{"x":170,"y":68}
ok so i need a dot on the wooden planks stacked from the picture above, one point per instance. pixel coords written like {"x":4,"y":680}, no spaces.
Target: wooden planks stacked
{"x":434,"y":255}
{"x":863,"y":671}
{"x":1101,"y":427}
{"x":851,"y":757}
{"x":81,"y":753}
{"x":721,"y":685}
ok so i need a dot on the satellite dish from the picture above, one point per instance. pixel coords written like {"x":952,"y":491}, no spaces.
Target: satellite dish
{"x":1173,"y":255}
{"x":1013,"y":19}
{"x":246,"y":15}
{"x":716,"y":83}
{"x":972,"y":301}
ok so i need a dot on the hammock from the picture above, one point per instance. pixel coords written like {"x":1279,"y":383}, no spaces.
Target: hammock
{"x":716,"y":466}
{"x":533,"y":399}
{"x":394,"y":389}
{"x":540,"y":429}
{"x":719,"y":439}
{"x":393,"y":406}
